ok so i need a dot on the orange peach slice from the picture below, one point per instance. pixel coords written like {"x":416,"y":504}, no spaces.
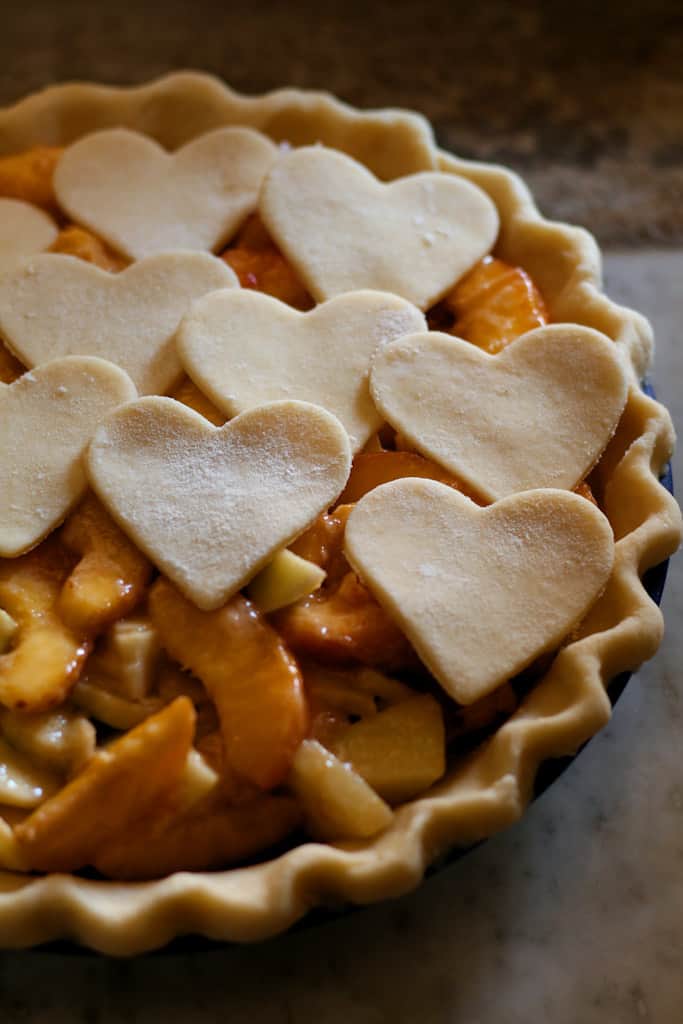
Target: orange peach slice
{"x":114,"y":793}
{"x":495,"y":304}
{"x":371,"y":469}
{"x":207,"y":838}
{"x":111,"y":576}
{"x":189,"y":394}
{"x":249,"y":674}
{"x":29,"y":176}
{"x":260,"y":265}
{"x":75,"y":241}
{"x":344,"y":624}
{"x":10,"y":367}
{"x":323,"y":542}
{"x":46,"y":657}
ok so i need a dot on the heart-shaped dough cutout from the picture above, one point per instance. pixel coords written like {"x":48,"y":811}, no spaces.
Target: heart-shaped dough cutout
{"x":244,"y":349}
{"x":538,"y":414}
{"x":344,"y":230}
{"x":211,"y":505}
{"x":479,"y":592}
{"x":143,"y":200}
{"x":47,"y":418}
{"x":58,"y":305}
{"x":24,"y":231}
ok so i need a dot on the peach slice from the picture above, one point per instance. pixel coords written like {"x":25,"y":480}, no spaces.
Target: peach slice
{"x":47,"y":656}
{"x":75,"y":241}
{"x":114,"y":793}
{"x":495,"y":304}
{"x":344,"y":624}
{"x":111,"y":576}
{"x":189,"y":394}
{"x":260,"y":265}
{"x":340,"y":622}
{"x":323,"y":542}
{"x":249,"y":674}
{"x":371,"y":469}
{"x":209,"y":837}
{"x":10,"y":367}
{"x":29,"y":176}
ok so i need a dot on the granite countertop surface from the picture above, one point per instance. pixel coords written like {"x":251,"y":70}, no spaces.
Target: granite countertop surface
{"x":574,"y":915}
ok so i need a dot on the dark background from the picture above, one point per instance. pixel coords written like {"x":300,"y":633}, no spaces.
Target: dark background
{"x":585,"y":99}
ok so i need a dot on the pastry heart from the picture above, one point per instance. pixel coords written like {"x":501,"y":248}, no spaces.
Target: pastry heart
{"x":59,"y":305}
{"x":479,"y":592}
{"x":24,"y":231}
{"x":343,"y":229}
{"x":538,"y":414}
{"x":210,"y":506}
{"x":47,"y":418}
{"x":244,"y":349}
{"x":142,"y":199}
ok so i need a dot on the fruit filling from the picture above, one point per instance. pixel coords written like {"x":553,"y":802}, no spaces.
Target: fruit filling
{"x":298,"y":704}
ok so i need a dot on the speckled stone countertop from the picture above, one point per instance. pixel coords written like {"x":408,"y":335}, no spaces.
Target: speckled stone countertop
{"x":585,"y":100}
{"x":575,"y":915}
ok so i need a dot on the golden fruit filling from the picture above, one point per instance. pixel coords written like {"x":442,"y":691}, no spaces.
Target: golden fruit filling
{"x":297,"y":707}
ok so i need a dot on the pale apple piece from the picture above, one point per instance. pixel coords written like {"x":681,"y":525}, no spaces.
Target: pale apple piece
{"x":8,"y":630}
{"x":286,"y":579}
{"x":337,"y":802}
{"x":128,"y":658}
{"x":196,"y":782}
{"x":62,"y":741}
{"x":336,"y":688}
{"x":388,"y":690}
{"x":22,"y":783}
{"x":109,"y":708}
{"x":400,"y":751}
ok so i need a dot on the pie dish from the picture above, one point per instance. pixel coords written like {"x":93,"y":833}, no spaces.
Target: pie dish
{"x":485,"y":438}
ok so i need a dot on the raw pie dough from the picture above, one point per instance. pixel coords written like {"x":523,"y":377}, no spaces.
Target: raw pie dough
{"x":538,"y":414}
{"x":479,"y":592}
{"x":24,"y":231}
{"x":58,"y":305}
{"x":143,"y":200}
{"x":344,"y":230}
{"x":243,"y":349}
{"x":210,"y":506}
{"x":49,"y":415}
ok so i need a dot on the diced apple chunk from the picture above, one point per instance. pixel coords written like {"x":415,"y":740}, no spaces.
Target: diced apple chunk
{"x":400,"y":751}
{"x":337,"y":802}
{"x":22,"y":784}
{"x":286,"y":579}
{"x":62,"y":741}
{"x":197,"y":781}
{"x":111,"y":709}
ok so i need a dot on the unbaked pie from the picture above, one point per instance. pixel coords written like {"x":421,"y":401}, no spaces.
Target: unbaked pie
{"x":326,"y":487}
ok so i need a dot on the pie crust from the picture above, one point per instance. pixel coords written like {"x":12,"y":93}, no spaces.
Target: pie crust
{"x":489,"y":789}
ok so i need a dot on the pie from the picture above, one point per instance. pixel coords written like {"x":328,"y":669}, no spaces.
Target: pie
{"x":326,"y":491}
